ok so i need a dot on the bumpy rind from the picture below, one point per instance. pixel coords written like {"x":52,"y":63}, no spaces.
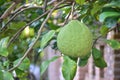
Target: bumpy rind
{"x":75,"y":39}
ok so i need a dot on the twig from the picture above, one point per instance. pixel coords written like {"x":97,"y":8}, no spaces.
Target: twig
{"x":96,"y":40}
{"x":39,"y":33}
{"x":70,"y":13}
{"x":112,"y":28}
{"x":72,"y":10}
{"x":8,"y":11}
{"x":101,"y":36}
{"x":5,"y":26}
{"x":66,"y":20}
{"x":21,"y":29}
{"x":17,"y":1}
{"x":51,"y":2}
{"x":45,"y":5}
{"x":19,"y":9}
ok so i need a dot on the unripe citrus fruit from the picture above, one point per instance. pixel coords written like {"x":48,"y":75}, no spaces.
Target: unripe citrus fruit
{"x":75,"y":39}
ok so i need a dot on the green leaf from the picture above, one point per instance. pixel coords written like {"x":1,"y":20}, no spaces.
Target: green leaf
{"x":53,"y":26}
{"x":38,"y":2}
{"x":46,"y":38}
{"x":21,"y":74}
{"x":3,"y":47}
{"x":81,"y":2}
{"x":83,"y":61}
{"x":111,"y":22}
{"x":46,"y":63}
{"x":96,"y":53}
{"x":105,"y":15}
{"x":68,"y":68}
{"x":6,"y":63}
{"x":16,"y":25}
{"x":1,"y":75}
{"x":96,"y":7}
{"x":113,"y":43}
{"x":1,"y":66}
{"x":113,"y":4}
{"x":3,"y":42}
{"x":26,"y":1}
{"x":104,"y":30}
{"x":4,"y":52}
{"x":100,"y":63}
{"x":7,"y":76}
{"x":24,"y":65}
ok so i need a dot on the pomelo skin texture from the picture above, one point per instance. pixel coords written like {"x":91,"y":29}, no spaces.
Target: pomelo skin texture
{"x":75,"y":39}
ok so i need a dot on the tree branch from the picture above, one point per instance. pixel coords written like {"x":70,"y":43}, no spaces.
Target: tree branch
{"x":66,"y":20}
{"x":19,"y":9}
{"x":8,"y":11}
{"x":51,"y":2}
{"x":45,"y":5}
{"x":21,"y":29}
{"x":17,"y":1}
{"x":72,"y":10}
{"x":117,"y":25}
{"x":70,"y":13}
{"x":5,"y":26}
{"x":96,"y":40}
{"x":39,"y":33}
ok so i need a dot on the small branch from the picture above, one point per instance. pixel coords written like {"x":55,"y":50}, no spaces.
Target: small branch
{"x":72,"y":9}
{"x":21,"y":29}
{"x":17,"y":1}
{"x":112,"y":28}
{"x":101,"y":36}
{"x":66,"y":20}
{"x":39,"y":33}
{"x":51,"y":2}
{"x":17,"y":13}
{"x":96,"y":40}
{"x":70,"y":13}
{"x":45,"y":5}
{"x":5,"y":26}
{"x":19,"y":9}
{"x":8,"y":11}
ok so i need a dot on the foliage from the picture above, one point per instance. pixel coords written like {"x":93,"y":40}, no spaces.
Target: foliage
{"x":68,"y":68}
{"x":45,"y":64}
{"x":21,"y":26}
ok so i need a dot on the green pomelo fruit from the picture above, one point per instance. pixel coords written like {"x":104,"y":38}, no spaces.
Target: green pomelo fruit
{"x":75,"y":39}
